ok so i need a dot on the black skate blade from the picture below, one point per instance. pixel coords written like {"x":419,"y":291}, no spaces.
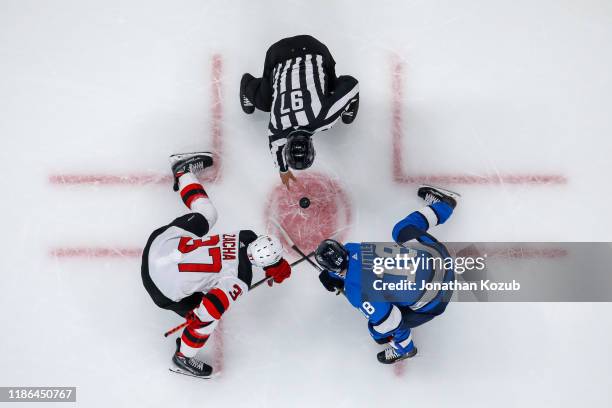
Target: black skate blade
{"x":410,"y":355}
{"x":180,"y":156}
{"x":444,"y":190}
{"x":188,"y":374}
{"x":406,"y":357}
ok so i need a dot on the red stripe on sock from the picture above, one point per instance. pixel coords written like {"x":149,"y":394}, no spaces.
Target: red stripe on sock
{"x":189,"y":187}
{"x":219,"y":294}
{"x":188,"y":342}
{"x":192,"y":198}
{"x":197,"y":335}
{"x":211,"y":309}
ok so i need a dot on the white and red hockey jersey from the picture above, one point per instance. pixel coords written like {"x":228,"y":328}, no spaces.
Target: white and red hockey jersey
{"x":179,"y":261}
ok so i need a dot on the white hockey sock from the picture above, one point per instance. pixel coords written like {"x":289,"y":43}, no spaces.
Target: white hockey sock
{"x":195,"y":198}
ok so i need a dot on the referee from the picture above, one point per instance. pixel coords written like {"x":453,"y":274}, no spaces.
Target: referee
{"x":300,"y":89}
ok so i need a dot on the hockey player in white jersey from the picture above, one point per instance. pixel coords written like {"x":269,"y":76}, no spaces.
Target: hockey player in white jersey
{"x":197,"y":276}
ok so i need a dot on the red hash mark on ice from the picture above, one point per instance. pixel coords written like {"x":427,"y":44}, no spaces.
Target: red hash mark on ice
{"x":401,"y":177}
{"x":107,"y":179}
{"x":95,"y":252}
{"x":216,"y":131}
{"x":508,"y":253}
{"x":218,"y":337}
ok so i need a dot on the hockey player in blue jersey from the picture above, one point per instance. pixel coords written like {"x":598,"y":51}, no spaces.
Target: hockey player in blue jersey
{"x":390,"y":322}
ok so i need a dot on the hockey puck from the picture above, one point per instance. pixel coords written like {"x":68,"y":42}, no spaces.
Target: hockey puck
{"x":304,"y":202}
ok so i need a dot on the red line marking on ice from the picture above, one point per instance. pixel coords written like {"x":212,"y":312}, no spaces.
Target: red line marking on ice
{"x":216,"y":130}
{"x":218,"y":347}
{"x":216,"y":89}
{"x":401,"y":177}
{"x":482,"y":179}
{"x":108,"y":179}
{"x":95,"y":252}
{"x":513,"y":253}
{"x":399,"y":368}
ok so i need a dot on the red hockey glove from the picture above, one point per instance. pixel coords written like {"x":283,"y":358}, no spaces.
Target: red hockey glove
{"x":279,"y":271}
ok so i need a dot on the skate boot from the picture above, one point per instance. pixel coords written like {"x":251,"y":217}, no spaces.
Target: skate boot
{"x":189,"y":163}
{"x":247,"y":106}
{"x":433,"y":195}
{"x":189,"y":366}
{"x":390,"y":355}
{"x":349,"y":115}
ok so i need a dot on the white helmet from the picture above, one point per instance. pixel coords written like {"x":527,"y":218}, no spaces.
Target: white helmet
{"x":265,"y":251}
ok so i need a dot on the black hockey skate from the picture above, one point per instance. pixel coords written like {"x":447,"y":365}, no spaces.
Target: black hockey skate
{"x":433,"y":195}
{"x":247,"y":106}
{"x":189,"y":366}
{"x":349,"y":115}
{"x":189,"y":163}
{"x":390,"y":355}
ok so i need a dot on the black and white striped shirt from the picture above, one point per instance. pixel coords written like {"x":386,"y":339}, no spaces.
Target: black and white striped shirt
{"x":303,"y":98}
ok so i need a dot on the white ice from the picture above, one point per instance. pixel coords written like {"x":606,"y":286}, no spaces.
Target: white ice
{"x":114,"y":87}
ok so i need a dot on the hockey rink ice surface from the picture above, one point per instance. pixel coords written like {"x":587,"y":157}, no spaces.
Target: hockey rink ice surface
{"x":506,"y":102}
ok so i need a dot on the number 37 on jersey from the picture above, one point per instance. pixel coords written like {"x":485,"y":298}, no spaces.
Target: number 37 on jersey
{"x":209,"y":254}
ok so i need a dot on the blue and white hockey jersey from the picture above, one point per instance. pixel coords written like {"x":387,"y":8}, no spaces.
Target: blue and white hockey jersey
{"x":391,"y":321}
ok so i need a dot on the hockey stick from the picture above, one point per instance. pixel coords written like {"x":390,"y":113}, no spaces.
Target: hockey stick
{"x":295,"y":247}
{"x":180,"y":326}
{"x":256,"y":284}
{"x":304,"y":257}
{"x":299,"y":251}
{"x":177,"y":328}
{"x":266,"y":279}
